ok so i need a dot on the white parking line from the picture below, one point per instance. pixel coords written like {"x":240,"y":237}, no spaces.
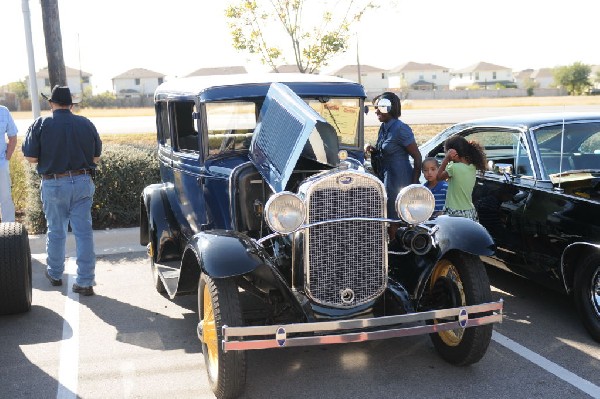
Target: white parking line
{"x":68,"y":370}
{"x":560,"y":372}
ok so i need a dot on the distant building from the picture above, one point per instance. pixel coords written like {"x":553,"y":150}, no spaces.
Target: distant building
{"x":76,"y":80}
{"x":228,"y":70}
{"x":138,"y":82}
{"x":543,"y":78}
{"x":483,"y":75}
{"x":417,"y":76}
{"x":373,"y":79}
{"x":523,"y":78}
{"x":595,"y":76}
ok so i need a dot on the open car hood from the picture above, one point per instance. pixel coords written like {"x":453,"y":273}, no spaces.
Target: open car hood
{"x":286,"y":130}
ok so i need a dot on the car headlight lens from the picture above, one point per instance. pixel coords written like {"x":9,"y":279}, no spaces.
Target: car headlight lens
{"x":415,"y":204}
{"x":284,"y":212}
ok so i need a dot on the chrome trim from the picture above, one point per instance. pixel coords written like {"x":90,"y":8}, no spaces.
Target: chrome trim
{"x":595,"y":292}
{"x":430,"y":230}
{"x":356,"y":194}
{"x":309,"y":225}
{"x":359,"y":324}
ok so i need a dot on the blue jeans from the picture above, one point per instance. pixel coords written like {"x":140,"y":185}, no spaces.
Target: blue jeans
{"x":7,"y":207}
{"x":69,"y":199}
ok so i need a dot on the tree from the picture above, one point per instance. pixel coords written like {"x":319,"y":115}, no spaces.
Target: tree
{"x":313,"y":44}
{"x":53,"y":38}
{"x":19,"y":88}
{"x":575,"y":78}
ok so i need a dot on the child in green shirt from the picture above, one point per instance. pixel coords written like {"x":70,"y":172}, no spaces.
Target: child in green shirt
{"x":459,"y":167}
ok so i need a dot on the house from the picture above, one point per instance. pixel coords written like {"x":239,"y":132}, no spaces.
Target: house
{"x":595,"y":76}
{"x":523,"y":78}
{"x":77,"y":81}
{"x":418,"y":76}
{"x":137,"y":82}
{"x":230,"y":70}
{"x":543,"y":78}
{"x":374,"y":80}
{"x":482,"y":75}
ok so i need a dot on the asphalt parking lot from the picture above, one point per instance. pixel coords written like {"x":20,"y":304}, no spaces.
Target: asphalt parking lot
{"x":128,"y":341}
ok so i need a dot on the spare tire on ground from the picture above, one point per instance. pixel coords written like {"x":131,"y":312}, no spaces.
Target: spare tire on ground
{"x":15,"y":269}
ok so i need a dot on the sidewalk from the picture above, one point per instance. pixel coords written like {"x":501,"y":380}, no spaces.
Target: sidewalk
{"x":107,"y":242}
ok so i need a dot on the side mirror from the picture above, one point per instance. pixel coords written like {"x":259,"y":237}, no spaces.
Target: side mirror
{"x":366,"y":109}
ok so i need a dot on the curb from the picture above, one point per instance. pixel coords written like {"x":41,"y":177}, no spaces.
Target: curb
{"x":106,"y":242}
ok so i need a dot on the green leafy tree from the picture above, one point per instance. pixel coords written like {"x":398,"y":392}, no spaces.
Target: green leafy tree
{"x":19,"y":88}
{"x":313,"y":44}
{"x":575,"y":78}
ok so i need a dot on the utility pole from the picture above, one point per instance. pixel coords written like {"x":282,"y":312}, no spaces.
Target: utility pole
{"x":358,"y":62}
{"x":53,"y":38}
{"x":33,"y":88}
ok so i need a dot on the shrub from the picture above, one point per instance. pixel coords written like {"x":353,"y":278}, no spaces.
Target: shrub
{"x":123,"y":172}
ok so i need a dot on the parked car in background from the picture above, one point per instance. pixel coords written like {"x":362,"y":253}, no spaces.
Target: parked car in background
{"x":540,"y":200}
{"x":266,"y":212}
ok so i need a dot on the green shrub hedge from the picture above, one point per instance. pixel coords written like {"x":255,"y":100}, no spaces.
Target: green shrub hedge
{"x":123,"y":172}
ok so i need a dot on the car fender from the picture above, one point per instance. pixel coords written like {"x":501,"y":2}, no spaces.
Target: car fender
{"x":453,"y":234}
{"x":227,"y":253}
{"x":571,"y":257}
{"x":156,"y":216}
{"x":462,"y":234}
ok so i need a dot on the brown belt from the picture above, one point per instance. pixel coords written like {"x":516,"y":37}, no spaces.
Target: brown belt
{"x":67,"y":173}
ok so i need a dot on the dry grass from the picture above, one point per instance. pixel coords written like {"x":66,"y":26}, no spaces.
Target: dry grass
{"x":96,"y":112}
{"x":502,"y":102}
{"x":422,"y":132}
{"x":407,"y":104}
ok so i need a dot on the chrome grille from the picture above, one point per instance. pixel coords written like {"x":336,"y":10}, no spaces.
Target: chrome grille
{"x":345,"y":261}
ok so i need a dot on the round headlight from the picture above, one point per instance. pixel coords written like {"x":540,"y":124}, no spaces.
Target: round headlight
{"x":415,"y":204}
{"x":284,"y":212}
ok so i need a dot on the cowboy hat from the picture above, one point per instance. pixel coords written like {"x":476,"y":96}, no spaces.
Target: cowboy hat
{"x":60,"y":95}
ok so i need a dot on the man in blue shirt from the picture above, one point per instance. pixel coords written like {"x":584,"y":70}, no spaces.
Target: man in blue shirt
{"x":66,"y":148}
{"x":8,"y":128}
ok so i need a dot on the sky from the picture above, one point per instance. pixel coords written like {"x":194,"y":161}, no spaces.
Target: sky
{"x":177,"y":37}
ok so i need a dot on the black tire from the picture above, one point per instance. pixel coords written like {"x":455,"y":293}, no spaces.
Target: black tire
{"x":15,"y":269}
{"x":158,"y":284}
{"x":219,"y":305}
{"x":587,"y":294}
{"x":460,"y":279}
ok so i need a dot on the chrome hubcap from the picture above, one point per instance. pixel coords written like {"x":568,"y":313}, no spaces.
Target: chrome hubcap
{"x":595,"y":291}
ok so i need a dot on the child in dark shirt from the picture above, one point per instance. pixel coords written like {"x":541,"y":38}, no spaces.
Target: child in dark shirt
{"x":437,"y":187}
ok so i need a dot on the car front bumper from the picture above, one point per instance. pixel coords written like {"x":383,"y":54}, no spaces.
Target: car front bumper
{"x":358,"y":330}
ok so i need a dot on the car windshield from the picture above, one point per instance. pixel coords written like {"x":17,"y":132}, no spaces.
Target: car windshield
{"x":572,"y":147}
{"x":343,"y":114}
{"x":231,"y":124}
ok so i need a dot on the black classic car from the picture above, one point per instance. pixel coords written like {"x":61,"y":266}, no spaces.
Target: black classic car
{"x":540,"y":200}
{"x":266,"y":212}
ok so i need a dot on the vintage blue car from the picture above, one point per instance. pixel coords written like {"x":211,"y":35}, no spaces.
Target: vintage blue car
{"x":266,"y":212}
{"x":540,"y":200}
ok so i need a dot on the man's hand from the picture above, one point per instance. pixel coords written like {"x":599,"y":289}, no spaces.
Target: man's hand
{"x":10,"y":147}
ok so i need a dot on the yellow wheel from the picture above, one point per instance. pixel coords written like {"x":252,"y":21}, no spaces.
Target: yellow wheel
{"x":219,"y":305}
{"x":459,"y":279}
{"x":446,"y":272}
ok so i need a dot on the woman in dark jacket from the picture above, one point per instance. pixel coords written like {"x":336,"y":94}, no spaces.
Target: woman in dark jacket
{"x":395,"y":143}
